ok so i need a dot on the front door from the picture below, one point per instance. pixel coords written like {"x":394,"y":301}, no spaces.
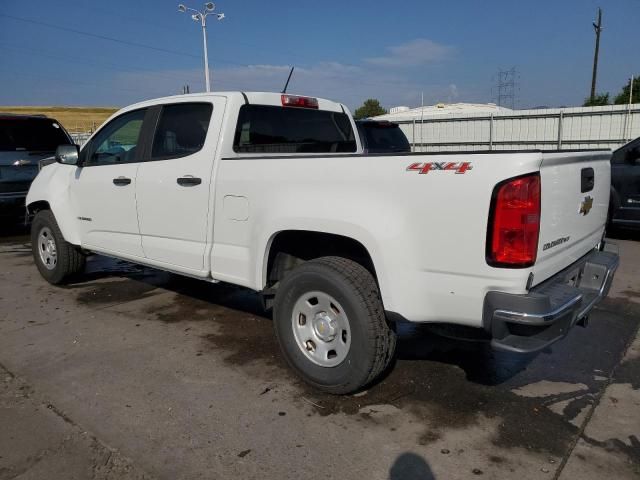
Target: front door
{"x":174,"y":185}
{"x":103,"y":187}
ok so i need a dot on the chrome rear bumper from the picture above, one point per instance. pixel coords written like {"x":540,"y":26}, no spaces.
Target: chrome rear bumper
{"x":531,"y":322}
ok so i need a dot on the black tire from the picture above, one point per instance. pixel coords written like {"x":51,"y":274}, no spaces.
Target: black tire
{"x":70,"y":260}
{"x":372,"y":341}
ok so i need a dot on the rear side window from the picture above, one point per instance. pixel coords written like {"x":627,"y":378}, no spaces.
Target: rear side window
{"x":181,"y":131}
{"x":31,"y":134}
{"x":269,"y":129}
{"x":384,"y":137}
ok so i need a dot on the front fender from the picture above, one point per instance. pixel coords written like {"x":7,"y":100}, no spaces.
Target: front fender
{"x":51,"y":185}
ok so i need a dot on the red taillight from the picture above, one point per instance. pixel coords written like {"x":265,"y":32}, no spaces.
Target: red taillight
{"x":300,"y":102}
{"x":514,"y":223}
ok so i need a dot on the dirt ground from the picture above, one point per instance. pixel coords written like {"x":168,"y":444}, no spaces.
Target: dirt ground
{"x":131,"y":373}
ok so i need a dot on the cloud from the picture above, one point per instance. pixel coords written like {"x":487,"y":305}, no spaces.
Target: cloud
{"x":418,"y":52}
{"x":349,"y":84}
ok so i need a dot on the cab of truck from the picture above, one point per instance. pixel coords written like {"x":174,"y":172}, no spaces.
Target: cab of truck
{"x":624,"y":207}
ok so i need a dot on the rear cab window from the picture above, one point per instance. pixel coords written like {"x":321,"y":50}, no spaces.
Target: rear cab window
{"x":31,"y":134}
{"x":273,"y":129}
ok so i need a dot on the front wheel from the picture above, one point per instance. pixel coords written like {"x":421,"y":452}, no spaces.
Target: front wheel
{"x":330,"y":324}
{"x":55,"y":258}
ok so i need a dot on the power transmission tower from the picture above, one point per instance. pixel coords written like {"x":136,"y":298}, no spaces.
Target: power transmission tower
{"x":505,"y":88}
{"x":185,"y":89}
{"x":598,"y":28}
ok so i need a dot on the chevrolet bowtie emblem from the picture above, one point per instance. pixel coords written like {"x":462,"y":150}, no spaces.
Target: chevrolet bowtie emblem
{"x":585,"y":206}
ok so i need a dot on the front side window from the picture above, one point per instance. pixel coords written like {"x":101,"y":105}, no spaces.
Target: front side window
{"x":182,"y":130}
{"x":270,"y":129}
{"x":117,"y":142}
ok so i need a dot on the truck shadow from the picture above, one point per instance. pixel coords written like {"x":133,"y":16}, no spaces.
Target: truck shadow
{"x":481,"y":364}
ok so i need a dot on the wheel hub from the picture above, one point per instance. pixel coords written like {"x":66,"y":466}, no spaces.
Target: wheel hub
{"x":47,"y":249}
{"x":321,"y":329}
{"x":325,"y":326}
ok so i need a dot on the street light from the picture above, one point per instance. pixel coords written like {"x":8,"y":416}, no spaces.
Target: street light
{"x":201,"y":17}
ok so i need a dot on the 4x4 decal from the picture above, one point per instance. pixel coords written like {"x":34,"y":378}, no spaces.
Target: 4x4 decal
{"x":424,"y":168}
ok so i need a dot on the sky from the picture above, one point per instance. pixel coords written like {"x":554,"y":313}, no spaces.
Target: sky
{"x":117,"y":52}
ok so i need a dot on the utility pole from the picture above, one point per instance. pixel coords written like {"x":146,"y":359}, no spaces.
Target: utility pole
{"x":629,"y":117}
{"x":598,"y":28}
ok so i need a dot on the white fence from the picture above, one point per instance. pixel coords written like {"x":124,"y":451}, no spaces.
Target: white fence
{"x":80,"y":138}
{"x":545,"y":129}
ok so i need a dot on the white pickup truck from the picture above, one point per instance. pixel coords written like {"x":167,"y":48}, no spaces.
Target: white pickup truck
{"x":272,"y":192}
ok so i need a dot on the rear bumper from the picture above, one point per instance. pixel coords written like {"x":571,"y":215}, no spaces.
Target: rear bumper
{"x":531,"y":322}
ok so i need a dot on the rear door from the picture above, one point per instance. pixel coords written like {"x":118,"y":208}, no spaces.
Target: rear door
{"x":574,"y":205}
{"x":103,"y":188}
{"x":174,"y":184}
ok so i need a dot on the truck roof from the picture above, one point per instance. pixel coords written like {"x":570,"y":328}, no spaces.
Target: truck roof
{"x":259,"y":98}
{"x":38,"y":116}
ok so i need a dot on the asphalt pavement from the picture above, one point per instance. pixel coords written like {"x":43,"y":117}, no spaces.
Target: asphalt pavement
{"x":131,"y":373}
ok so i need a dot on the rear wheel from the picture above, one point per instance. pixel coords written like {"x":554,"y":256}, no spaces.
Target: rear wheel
{"x":55,"y":258}
{"x":330,"y":324}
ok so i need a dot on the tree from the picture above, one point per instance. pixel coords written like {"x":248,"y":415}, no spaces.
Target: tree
{"x":370,"y":108}
{"x":623,"y":97}
{"x":599,"y":100}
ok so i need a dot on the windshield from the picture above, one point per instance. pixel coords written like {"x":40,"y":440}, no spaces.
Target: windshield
{"x":267,"y":129}
{"x":383,"y":137}
{"x":30,"y":134}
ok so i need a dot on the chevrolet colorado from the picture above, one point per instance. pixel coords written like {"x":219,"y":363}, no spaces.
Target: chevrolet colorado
{"x":272,"y":192}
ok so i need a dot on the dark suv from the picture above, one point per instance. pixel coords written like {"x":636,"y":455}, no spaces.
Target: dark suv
{"x":624,"y":210}
{"x":382,"y":136}
{"x":25,"y":140}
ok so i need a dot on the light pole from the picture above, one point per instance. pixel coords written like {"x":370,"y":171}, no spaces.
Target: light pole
{"x":201,"y":17}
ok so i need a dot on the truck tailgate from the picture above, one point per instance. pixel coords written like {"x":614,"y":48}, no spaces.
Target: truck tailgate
{"x":575,"y":201}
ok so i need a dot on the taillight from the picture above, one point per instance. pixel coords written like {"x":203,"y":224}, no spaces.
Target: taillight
{"x":300,"y":102}
{"x":514,"y":223}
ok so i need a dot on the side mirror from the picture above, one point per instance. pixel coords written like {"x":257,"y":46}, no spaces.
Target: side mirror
{"x":67,"y":154}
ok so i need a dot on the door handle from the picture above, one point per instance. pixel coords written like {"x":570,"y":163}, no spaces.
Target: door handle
{"x":121,"y":181}
{"x":189,"y":181}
